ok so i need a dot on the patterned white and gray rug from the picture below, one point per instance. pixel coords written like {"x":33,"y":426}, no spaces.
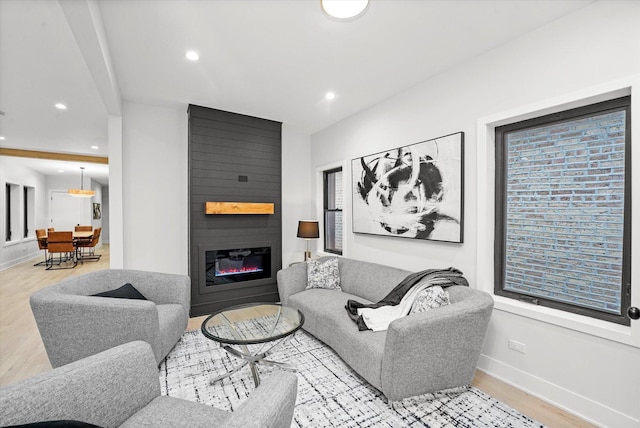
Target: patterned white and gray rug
{"x":330,"y":394}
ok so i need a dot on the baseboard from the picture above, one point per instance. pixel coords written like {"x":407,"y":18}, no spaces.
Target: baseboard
{"x":14,"y":262}
{"x":576,"y":404}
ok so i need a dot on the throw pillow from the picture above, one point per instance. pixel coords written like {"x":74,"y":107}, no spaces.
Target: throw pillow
{"x":430,"y":298}
{"x":323,"y":274}
{"x":127,"y":291}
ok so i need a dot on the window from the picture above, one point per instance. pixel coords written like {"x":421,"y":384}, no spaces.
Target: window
{"x":333,"y":211}
{"x":563,"y":210}
{"x":29,"y":212}
{"x":12,"y":215}
{"x":25,"y":224}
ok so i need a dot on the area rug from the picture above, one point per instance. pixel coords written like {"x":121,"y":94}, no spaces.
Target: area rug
{"x":330,"y":394}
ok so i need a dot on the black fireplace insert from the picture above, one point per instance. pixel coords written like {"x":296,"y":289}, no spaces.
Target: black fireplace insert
{"x":237,"y":265}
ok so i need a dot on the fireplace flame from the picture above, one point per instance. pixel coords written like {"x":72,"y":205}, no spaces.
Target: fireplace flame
{"x":236,"y":271}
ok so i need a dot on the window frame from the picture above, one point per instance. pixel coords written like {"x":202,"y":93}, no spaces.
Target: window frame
{"x":616,"y":104}
{"x":326,"y":210}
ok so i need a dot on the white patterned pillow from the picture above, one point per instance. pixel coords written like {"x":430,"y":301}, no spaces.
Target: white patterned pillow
{"x":323,"y":274}
{"x":430,"y":298}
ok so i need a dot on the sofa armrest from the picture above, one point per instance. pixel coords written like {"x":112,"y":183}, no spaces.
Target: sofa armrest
{"x":291,"y":280}
{"x":436,"y":349}
{"x":270,"y":405}
{"x":104,"y":389}
{"x":73,"y":327}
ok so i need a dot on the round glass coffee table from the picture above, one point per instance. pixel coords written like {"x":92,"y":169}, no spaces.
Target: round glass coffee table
{"x":252,"y":324}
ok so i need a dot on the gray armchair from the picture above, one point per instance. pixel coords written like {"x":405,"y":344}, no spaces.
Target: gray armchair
{"x":120,"y":387}
{"x":74,"y":324}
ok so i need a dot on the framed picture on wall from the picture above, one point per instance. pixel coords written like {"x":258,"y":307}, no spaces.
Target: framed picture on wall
{"x":414,"y":191}
{"x":97,"y":215}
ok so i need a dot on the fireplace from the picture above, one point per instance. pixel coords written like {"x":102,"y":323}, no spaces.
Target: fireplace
{"x":236,"y":265}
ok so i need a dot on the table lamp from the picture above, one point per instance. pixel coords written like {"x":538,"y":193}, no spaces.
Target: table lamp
{"x":308,"y":230}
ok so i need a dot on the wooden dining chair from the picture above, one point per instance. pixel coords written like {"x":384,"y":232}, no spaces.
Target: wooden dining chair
{"x":83,"y":228}
{"x":62,"y":243}
{"x":41,"y":236}
{"x":51,"y":229}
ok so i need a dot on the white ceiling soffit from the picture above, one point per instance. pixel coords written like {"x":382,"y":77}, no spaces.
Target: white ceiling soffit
{"x":41,"y":65}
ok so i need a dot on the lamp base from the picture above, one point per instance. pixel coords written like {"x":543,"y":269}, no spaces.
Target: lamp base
{"x":307,"y":255}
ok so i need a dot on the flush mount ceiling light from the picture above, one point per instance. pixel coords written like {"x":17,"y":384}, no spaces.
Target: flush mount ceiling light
{"x":330,"y":95}
{"x":344,"y":9}
{"x":95,"y":147}
{"x":61,"y":106}
{"x":192,"y":55}
{"x":81,"y":193}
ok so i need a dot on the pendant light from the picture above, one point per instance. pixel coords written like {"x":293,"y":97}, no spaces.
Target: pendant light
{"x":81,"y":193}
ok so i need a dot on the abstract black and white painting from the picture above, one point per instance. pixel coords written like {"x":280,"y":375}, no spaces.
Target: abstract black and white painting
{"x":415,"y":191}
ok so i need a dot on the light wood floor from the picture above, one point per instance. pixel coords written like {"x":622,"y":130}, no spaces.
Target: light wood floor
{"x":22,"y":353}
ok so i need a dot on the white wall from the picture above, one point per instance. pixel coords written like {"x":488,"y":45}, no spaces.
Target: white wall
{"x":104,"y":235}
{"x":587,"y":374}
{"x":154,"y":188}
{"x":296,"y":194}
{"x":21,"y":249}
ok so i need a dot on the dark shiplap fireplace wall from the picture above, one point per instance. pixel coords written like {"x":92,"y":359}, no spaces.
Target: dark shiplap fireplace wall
{"x":232,"y":158}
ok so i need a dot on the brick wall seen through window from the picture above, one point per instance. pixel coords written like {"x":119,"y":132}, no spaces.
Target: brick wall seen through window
{"x":562,"y":212}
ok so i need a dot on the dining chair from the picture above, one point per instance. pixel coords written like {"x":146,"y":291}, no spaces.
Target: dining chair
{"x":41,"y":236}
{"x":51,"y":229}
{"x":61,"y":243}
{"x":89,"y":246}
{"x":83,"y":228}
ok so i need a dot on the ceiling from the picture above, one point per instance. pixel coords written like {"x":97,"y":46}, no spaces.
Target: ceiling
{"x":274,"y":59}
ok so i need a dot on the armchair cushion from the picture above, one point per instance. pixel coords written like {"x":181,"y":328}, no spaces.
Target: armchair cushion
{"x":127,"y":291}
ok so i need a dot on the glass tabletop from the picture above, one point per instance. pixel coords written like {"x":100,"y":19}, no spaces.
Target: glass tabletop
{"x":252,"y":323}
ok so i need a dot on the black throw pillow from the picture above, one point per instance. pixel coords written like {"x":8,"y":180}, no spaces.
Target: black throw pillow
{"x":127,"y":291}
{"x":56,"y":424}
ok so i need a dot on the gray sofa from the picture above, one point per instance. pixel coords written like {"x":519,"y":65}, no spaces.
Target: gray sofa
{"x":418,"y":354}
{"x":73,"y":324}
{"x":120,"y":387}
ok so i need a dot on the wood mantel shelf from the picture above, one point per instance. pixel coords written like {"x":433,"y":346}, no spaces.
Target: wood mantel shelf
{"x":238,"y":208}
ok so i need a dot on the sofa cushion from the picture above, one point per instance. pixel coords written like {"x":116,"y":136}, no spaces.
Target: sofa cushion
{"x":173,"y":412}
{"x":326,"y":318}
{"x":369,"y":280}
{"x":323,"y":274}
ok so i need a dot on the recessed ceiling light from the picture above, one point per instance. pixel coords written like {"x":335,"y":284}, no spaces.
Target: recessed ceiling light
{"x":61,"y":170}
{"x":344,"y":9}
{"x":61,"y":106}
{"x":95,"y":147}
{"x":2,"y":138}
{"x":192,"y":55}
{"x":330,"y":95}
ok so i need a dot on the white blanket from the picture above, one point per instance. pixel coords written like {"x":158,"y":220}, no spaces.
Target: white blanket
{"x":378,"y":319}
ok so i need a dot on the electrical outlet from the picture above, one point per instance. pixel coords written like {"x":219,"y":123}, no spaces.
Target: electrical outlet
{"x":517,"y":346}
